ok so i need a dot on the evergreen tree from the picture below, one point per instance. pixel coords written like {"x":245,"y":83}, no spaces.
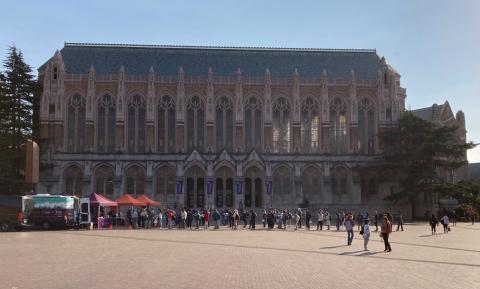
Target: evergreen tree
{"x":416,"y":153}
{"x":16,"y":111}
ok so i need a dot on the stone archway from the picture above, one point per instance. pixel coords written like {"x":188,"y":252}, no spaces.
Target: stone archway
{"x":73,"y":180}
{"x":103,"y":180}
{"x":135,"y":180}
{"x":165,"y":186}
{"x":312,"y":186}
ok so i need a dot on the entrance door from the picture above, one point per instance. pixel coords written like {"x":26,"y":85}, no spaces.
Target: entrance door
{"x":254,"y":188}
{"x":195,"y":180}
{"x":85,"y":217}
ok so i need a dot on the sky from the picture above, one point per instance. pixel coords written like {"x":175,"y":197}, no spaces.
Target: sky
{"x":433,"y":44}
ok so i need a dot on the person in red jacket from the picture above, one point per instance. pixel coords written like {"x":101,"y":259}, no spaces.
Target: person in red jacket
{"x":206,"y":219}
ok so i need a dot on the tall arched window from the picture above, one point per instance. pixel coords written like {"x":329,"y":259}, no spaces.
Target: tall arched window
{"x":338,"y":127}
{"x":253,"y":124}
{"x":165,"y":186}
{"x":76,"y":124}
{"x":195,"y":123}
{"x":136,"y":124}
{"x":135,"y":181}
{"x":281,"y":126}
{"x":224,"y":124}
{"x":366,"y":127}
{"x":166,"y":125}
{"x":106,"y":118}
{"x":73,"y":181}
{"x":103,"y":181}
{"x":310,"y":125}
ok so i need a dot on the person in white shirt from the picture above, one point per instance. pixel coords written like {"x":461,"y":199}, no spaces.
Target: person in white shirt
{"x":445,"y":222}
{"x":366,"y":234}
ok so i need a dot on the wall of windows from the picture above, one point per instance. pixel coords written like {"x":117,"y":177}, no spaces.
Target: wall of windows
{"x":281,"y":125}
{"x":106,"y":120}
{"x":166,"y":124}
{"x":76,"y":124}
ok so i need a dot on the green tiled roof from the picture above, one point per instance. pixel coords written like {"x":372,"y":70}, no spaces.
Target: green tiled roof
{"x":166,"y":60}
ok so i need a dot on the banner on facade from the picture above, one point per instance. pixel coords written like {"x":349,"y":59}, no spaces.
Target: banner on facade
{"x":209,"y":187}
{"x":239,"y":187}
{"x":268,"y":186}
{"x":179,"y":186}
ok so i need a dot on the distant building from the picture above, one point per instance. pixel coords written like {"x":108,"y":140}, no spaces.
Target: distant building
{"x":474,"y":171}
{"x":218,"y":126}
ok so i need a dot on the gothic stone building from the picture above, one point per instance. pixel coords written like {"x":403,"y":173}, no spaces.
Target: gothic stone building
{"x":217,"y":126}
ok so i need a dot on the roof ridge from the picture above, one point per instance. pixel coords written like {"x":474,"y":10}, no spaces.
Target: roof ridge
{"x":350,"y":50}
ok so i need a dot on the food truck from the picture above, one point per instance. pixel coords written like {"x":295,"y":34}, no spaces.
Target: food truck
{"x":55,"y":211}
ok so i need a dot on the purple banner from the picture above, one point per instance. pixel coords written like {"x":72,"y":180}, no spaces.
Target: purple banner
{"x":209,"y":187}
{"x":239,"y":187}
{"x":268,"y":186}
{"x":179,"y":186}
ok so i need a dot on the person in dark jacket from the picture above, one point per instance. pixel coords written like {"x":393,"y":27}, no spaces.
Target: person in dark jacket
{"x":433,"y":224}
{"x":253,"y":219}
{"x":308,"y":216}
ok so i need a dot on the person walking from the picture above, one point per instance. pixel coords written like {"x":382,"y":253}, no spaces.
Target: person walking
{"x":328,"y":220}
{"x":385,"y":233}
{"x":349,"y":224}
{"x":338,"y":220}
{"x":445,"y":222}
{"x":399,"y":221}
{"x":264,"y":218}
{"x":366,"y":234}
{"x":320,"y":218}
{"x":433,"y":224}
{"x":216,"y":219}
{"x":376,"y":220}
{"x":308,"y":216}
{"x":253,"y":219}
{"x":298,"y":219}
{"x":206,"y":219}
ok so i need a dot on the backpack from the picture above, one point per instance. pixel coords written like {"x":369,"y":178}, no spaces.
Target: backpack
{"x":361,"y":231}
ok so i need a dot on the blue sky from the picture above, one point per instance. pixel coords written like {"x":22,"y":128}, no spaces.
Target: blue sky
{"x":433,"y":44}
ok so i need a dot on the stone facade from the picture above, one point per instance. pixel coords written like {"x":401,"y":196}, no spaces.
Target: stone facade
{"x":236,"y":139}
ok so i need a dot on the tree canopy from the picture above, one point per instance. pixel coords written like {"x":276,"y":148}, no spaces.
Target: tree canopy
{"x":418,"y":153}
{"x":17,"y":87}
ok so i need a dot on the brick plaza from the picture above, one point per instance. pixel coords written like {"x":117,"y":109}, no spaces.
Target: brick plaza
{"x":239,"y":259}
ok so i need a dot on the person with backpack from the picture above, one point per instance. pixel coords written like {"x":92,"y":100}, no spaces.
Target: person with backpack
{"x":216,"y":219}
{"x":349,"y":224}
{"x":385,"y":233}
{"x":308,"y":216}
{"x":400,"y":221}
{"x":327,"y":220}
{"x":320,"y":218}
{"x":433,"y":224}
{"x":445,"y":222}
{"x":253,"y":219}
{"x":365,"y":232}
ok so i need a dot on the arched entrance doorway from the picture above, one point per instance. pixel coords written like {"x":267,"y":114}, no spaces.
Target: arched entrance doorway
{"x":73,"y":181}
{"x":254,"y":188}
{"x":103,"y":181}
{"x":224,"y":180}
{"x":195,"y":187}
{"x":135,"y":180}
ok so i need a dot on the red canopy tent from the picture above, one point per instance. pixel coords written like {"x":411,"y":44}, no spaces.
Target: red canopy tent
{"x":100,"y":200}
{"x":148,"y":201}
{"x":128,"y":200}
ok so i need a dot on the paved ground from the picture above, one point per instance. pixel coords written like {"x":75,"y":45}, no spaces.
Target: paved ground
{"x":239,"y":259}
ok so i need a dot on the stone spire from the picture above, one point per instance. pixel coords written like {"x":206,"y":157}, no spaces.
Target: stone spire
{"x":210,"y":96}
{"x":296,"y":96}
{"x":324,"y":97}
{"x":120,"y":93}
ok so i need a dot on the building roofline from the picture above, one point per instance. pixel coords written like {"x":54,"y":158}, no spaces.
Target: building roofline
{"x":112,"y":45}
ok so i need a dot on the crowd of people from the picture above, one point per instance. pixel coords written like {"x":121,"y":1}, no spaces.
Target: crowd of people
{"x":282,"y":219}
